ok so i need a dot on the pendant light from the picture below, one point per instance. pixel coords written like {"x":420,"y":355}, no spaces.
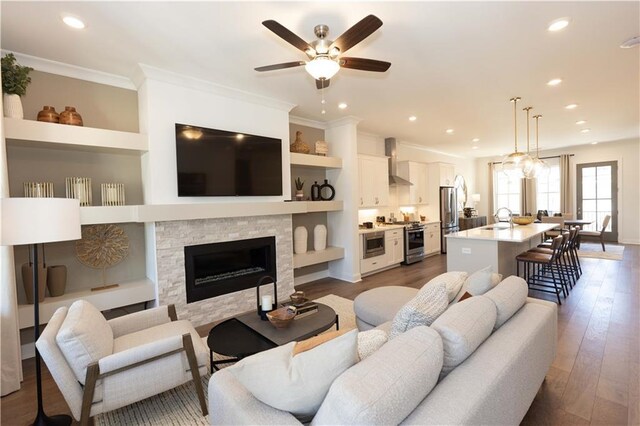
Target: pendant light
{"x":516,"y":160}
{"x":529,"y":170}
{"x":540,"y":166}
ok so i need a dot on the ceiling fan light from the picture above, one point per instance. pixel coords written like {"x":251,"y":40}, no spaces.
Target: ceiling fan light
{"x":322,"y":67}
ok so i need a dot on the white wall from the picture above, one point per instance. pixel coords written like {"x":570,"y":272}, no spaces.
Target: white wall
{"x":626,"y":153}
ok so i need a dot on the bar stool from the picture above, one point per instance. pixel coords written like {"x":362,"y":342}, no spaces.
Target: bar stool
{"x":564,"y":265}
{"x":543,"y":264}
{"x":570,"y":252}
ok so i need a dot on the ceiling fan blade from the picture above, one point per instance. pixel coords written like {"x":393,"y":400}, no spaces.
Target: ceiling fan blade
{"x":322,"y":83}
{"x":357,"y":33}
{"x":280,"y":66}
{"x":287,"y":35}
{"x":364,"y":64}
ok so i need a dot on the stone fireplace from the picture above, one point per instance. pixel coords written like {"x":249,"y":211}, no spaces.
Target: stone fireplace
{"x":173,"y":236}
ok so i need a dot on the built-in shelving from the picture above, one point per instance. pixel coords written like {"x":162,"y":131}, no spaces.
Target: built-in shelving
{"x":314,"y":257}
{"x":127,"y":293}
{"x":308,"y":160}
{"x":53,"y":135}
{"x":108,"y":214}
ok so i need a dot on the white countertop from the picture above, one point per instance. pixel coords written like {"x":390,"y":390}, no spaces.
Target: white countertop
{"x":378,"y":228}
{"x":502,"y":232}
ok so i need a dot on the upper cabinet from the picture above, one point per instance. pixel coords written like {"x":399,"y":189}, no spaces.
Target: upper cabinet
{"x":442,"y":173}
{"x":373,"y":174}
{"x":416,"y":173}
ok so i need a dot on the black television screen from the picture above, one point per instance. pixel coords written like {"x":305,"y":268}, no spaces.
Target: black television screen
{"x":216,"y":163}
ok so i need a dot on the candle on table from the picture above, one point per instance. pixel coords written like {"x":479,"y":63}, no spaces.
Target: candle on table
{"x":267,"y":304}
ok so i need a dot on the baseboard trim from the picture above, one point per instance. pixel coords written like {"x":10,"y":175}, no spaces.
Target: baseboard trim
{"x":632,"y":242}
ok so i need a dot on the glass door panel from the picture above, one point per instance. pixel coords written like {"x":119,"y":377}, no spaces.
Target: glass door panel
{"x":597,"y":196}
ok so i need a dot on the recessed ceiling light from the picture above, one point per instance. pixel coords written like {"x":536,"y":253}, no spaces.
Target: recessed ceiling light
{"x":632,"y":42}
{"x":474,"y":147}
{"x":585,"y":130}
{"x":449,"y":131}
{"x":579,"y":122}
{"x":342,"y":105}
{"x":73,"y":22}
{"x":558,"y":24}
{"x":594,"y":143}
{"x":413,"y":118}
{"x":571,"y":106}
{"x":554,"y":82}
{"x":475,"y":140}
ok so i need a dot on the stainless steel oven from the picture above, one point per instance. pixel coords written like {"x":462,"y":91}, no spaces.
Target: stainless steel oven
{"x":373,"y":244}
{"x":413,"y":243}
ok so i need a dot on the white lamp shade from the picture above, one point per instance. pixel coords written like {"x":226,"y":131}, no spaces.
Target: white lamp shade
{"x":322,"y":67}
{"x":39,"y":220}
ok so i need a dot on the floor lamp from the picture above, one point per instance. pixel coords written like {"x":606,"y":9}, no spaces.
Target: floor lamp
{"x":36,"y":221}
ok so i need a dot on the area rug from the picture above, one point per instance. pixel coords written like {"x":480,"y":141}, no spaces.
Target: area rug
{"x":614,"y":252}
{"x":179,"y":406}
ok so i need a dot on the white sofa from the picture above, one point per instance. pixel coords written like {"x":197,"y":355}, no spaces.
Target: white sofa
{"x":496,"y":384}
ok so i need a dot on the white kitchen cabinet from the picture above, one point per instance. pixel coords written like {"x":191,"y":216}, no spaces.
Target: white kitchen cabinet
{"x":441,"y":173}
{"x":373,"y":173}
{"x":416,"y":173}
{"x":394,"y":246}
{"x":432,"y":239}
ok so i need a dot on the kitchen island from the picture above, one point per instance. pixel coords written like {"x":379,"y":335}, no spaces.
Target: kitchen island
{"x":494,"y":245}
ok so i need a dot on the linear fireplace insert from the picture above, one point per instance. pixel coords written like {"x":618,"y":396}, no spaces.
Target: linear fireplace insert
{"x":220,"y":268}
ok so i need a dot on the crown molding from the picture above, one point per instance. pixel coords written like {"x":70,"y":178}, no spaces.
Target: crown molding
{"x":72,"y":71}
{"x":352,"y":120}
{"x":144,"y":72}
{"x":434,"y":151}
{"x":301,"y":121}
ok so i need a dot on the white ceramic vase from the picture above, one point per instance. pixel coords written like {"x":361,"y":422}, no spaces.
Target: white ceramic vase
{"x":300,"y":236}
{"x":319,"y":237}
{"x":12,"y":105}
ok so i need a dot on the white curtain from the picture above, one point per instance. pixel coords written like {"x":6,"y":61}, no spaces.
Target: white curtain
{"x":528,"y":197}
{"x":566,"y":190}
{"x":490,"y":202}
{"x":10,"y":344}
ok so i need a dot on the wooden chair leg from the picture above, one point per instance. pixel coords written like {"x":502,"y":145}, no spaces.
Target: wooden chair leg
{"x":187,"y":343}
{"x":93,"y":372}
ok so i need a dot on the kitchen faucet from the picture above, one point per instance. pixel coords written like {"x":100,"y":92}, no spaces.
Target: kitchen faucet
{"x":510,"y":215}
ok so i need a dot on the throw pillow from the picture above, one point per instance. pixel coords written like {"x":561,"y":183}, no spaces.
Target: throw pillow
{"x":508,"y":296}
{"x":370,"y":341}
{"x":452,"y":280}
{"x":463,"y":327}
{"x":423,"y":309}
{"x":297,"y":384}
{"x":84,"y":337}
{"x":479,"y":283}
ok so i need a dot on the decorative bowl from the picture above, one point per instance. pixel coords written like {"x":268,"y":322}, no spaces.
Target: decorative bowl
{"x":282,"y":318}
{"x":298,"y":298}
{"x":523,"y":220}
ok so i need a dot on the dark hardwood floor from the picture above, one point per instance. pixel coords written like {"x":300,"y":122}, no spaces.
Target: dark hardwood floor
{"x":595,"y":378}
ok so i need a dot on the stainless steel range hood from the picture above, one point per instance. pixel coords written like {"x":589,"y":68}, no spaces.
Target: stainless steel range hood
{"x":390,"y":151}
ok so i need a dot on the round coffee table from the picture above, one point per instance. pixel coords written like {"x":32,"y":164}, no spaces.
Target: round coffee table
{"x":247,"y":334}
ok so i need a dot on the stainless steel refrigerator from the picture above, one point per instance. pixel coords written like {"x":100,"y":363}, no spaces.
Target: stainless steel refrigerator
{"x":448,"y":214}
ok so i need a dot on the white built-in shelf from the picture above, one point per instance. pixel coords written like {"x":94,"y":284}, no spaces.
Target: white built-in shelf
{"x":53,"y":135}
{"x":308,"y":160}
{"x":323,"y":206}
{"x":108,"y":214}
{"x":314,"y":257}
{"x":127,"y":293}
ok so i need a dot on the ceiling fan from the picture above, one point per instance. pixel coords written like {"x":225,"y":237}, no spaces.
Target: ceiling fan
{"x":324,"y":55}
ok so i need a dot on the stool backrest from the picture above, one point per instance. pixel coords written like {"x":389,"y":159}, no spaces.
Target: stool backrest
{"x":556,"y":245}
{"x":605,"y":222}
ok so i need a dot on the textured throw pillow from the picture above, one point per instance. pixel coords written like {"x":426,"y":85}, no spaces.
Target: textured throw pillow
{"x":297,"y":384}
{"x":508,"y":296}
{"x":452,"y":280}
{"x":429,"y":304}
{"x":84,"y":337}
{"x":370,"y":341}
{"x":479,"y":283}
{"x":463,"y":327}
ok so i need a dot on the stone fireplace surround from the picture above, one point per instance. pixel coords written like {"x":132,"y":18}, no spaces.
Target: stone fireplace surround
{"x":173,"y":236}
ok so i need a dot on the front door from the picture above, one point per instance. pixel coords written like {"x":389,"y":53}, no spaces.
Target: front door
{"x":597,"y":191}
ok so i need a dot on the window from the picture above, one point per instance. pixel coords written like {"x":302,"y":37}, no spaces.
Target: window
{"x":548,"y":188}
{"x":506,"y":189}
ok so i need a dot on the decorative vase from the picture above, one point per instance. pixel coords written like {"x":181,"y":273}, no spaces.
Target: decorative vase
{"x":48,"y":115}
{"x":319,"y":237}
{"x":327,"y":187}
{"x":300,"y":236}
{"x":56,"y":280}
{"x":70,"y":116}
{"x":299,"y":195}
{"x":298,"y":145}
{"x":27,"y":281}
{"x":315,"y":191}
{"x":12,"y":106}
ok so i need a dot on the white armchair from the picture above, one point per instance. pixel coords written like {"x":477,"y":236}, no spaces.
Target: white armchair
{"x":102,"y":365}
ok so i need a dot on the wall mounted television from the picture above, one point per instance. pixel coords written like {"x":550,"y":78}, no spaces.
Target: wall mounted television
{"x":217,"y":163}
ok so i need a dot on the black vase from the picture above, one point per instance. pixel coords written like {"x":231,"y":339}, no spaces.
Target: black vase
{"x":332,"y":192}
{"x":315,"y":191}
